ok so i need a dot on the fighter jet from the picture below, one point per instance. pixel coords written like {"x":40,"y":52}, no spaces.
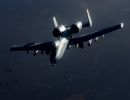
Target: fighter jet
{"x":65,"y":39}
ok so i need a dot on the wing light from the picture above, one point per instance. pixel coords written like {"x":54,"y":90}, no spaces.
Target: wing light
{"x":122,"y":25}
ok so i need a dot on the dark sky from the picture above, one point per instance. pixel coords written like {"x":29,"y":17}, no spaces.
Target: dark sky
{"x":99,"y":72}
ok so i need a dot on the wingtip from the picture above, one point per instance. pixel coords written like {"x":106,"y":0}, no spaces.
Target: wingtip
{"x":122,"y":25}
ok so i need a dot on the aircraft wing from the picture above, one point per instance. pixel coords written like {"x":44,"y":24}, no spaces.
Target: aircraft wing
{"x":96,"y":34}
{"x":46,"y":46}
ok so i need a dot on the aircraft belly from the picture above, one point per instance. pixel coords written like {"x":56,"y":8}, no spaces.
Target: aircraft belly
{"x":61,"y":48}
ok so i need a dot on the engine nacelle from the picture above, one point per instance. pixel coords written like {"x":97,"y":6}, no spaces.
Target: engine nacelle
{"x":75,"y":28}
{"x":59,"y":30}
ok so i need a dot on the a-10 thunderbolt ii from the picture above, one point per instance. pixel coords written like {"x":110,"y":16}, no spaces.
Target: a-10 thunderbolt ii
{"x":65,"y":39}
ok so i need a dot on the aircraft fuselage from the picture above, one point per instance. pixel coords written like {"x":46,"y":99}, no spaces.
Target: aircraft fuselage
{"x":64,"y":35}
{"x":60,"y":46}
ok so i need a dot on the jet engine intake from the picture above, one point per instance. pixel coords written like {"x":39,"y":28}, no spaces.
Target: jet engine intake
{"x":75,"y":28}
{"x":59,"y":30}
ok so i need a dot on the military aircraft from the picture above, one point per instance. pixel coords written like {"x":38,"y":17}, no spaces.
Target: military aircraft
{"x":65,"y":39}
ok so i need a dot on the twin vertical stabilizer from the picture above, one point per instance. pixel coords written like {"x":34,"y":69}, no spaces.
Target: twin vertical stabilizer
{"x":86,"y":24}
{"x":89,"y":18}
{"x":55,"y":22}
